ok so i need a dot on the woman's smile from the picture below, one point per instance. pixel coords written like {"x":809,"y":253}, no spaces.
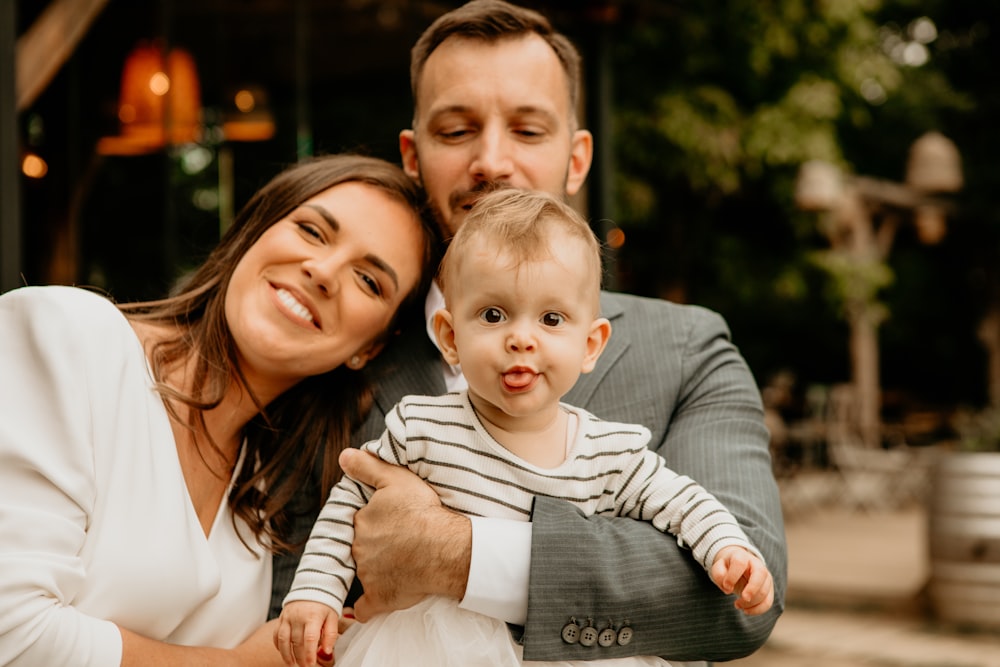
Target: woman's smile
{"x":295,"y":309}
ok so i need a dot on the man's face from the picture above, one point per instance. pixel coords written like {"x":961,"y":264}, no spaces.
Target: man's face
{"x":493,"y":114}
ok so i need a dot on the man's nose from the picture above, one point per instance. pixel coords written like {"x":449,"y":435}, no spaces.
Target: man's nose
{"x":493,"y":160}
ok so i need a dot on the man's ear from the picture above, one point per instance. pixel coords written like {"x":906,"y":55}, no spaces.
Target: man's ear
{"x":597,"y":339}
{"x":580,"y":157}
{"x":408,"y":153}
{"x":444,"y":331}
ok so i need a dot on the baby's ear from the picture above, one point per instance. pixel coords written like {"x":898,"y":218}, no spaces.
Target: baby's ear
{"x":444,"y":331}
{"x":597,"y":340}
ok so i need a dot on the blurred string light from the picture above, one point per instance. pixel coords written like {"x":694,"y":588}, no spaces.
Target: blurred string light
{"x":923,"y":30}
{"x":206,"y":199}
{"x":247,"y":116}
{"x":615,"y":238}
{"x":908,"y":47}
{"x":34,"y":166}
{"x":195,"y":158}
{"x":873,"y":92}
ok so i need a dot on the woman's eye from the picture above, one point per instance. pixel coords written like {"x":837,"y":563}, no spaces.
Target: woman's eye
{"x":373,"y":285}
{"x":492,"y":315}
{"x":552,"y":319}
{"x":309,"y":229}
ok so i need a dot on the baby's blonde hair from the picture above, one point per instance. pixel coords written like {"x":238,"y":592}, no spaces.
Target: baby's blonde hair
{"x":520,"y":223}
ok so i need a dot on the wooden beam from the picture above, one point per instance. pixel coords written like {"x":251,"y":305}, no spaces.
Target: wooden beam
{"x":49,"y":42}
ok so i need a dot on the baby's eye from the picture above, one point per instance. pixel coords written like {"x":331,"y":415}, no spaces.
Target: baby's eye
{"x":552,"y":319}
{"x":492,"y":315}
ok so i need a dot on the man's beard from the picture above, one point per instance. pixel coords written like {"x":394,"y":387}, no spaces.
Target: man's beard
{"x":458,"y":204}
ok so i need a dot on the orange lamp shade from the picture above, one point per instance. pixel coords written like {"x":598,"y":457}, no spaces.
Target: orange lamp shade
{"x":159,"y":103}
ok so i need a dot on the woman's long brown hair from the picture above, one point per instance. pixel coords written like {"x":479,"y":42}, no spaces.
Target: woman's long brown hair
{"x":304,"y":430}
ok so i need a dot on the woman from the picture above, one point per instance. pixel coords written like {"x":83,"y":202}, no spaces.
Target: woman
{"x":145,"y":450}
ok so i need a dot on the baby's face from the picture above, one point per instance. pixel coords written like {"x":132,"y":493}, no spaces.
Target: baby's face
{"x":523,"y":331}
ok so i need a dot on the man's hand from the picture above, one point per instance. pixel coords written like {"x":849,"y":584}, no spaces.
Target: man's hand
{"x":406,"y":544}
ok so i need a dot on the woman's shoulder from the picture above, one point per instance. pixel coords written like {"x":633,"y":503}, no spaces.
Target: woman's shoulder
{"x":59,"y":312}
{"x":56,"y":300}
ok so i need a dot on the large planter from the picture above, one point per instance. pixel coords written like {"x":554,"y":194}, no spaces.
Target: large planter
{"x":964,"y":535}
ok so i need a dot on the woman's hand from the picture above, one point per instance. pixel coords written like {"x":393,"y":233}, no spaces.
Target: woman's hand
{"x":257,"y":650}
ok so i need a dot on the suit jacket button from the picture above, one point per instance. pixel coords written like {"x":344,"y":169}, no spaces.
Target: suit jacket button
{"x":607,"y":637}
{"x":625,"y":636}
{"x":588,"y":636}
{"x":571,"y":632}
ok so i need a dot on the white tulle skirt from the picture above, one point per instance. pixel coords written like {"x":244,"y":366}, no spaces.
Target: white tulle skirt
{"x":437,"y":633}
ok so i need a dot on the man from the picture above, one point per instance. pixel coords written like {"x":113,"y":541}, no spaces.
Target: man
{"x":495,"y":92}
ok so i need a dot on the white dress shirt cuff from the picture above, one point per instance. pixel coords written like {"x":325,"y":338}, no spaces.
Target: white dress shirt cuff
{"x":498,"y":573}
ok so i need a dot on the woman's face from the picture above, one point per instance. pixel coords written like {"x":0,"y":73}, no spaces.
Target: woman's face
{"x":322,"y":284}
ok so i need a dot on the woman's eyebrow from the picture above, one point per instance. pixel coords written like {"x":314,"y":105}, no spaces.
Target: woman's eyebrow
{"x":375,"y":260}
{"x":326,"y":215}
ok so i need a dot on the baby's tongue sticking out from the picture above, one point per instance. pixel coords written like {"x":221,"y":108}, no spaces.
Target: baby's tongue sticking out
{"x":518,"y":378}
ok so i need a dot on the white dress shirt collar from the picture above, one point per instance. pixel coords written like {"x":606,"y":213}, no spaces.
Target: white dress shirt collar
{"x":453,"y":377}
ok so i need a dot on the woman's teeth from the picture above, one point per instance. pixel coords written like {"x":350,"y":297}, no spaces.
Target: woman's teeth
{"x":293,"y":304}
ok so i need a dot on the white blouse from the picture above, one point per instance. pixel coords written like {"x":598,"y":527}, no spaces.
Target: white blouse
{"x":96,"y":525}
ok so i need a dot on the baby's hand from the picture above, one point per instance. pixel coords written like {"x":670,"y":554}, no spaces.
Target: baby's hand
{"x":736,"y":570}
{"x":306,"y":631}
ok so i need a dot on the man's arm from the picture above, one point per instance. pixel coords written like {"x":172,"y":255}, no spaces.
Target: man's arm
{"x":680,"y":364}
{"x":407,"y":545}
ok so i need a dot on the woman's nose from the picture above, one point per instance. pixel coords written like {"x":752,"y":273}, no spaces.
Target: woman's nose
{"x":324,"y":273}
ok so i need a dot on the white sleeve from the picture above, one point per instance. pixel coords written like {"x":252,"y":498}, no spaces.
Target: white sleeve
{"x":47,"y":486}
{"x":498,"y":573}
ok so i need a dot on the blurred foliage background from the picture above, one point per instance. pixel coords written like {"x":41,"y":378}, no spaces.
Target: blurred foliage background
{"x":716,"y":108}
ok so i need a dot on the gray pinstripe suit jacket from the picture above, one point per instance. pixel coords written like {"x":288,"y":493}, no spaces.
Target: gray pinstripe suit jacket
{"x":673,"y":369}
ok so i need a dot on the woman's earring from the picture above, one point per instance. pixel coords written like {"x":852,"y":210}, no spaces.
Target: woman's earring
{"x":355,"y":362}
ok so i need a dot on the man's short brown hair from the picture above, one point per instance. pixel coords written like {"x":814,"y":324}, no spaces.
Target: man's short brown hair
{"x":492,"y":21}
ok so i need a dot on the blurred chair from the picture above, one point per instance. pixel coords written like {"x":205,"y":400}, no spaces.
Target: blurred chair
{"x":873,"y":478}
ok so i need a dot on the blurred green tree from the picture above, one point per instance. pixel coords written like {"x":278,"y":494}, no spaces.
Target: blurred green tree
{"x":717,"y":104}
